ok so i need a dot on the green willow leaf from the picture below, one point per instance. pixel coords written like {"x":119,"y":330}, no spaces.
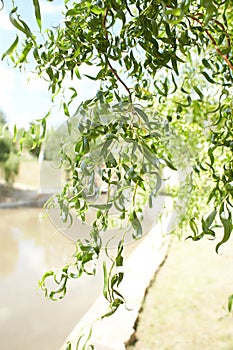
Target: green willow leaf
{"x":97,"y":10}
{"x":44,"y":128}
{"x":117,"y":8}
{"x":37,"y":12}
{"x":19,"y":24}
{"x":211,"y":218}
{"x":105,"y":285}
{"x":169,"y":164}
{"x":101,"y":206}
{"x":110,"y":313}
{"x":174,"y":65}
{"x":198,"y":91}
{"x":142,"y":114}
{"x":68,"y":346}
{"x":136,"y":225}
{"x":11,"y":49}
{"x":206,"y":63}
{"x":119,"y":258}
{"x":194,"y":228}
{"x":90,"y":77}
{"x":77,"y":73}
{"x":206,"y":223}
{"x":66,"y":110}
{"x":230,"y":303}
{"x":227,"y":226}
{"x":150,"y":156}
{"x":86,"y":345}
{"x":210,"y":80}
{"x":25,"y":53}
{"x":175,"y":85}
{"x":15,"y":133}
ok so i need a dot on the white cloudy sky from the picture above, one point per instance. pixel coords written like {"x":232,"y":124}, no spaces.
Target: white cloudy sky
{"x":23,"y":97}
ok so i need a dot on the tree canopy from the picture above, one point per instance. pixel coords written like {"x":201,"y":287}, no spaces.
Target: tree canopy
{"x":165,"y":73}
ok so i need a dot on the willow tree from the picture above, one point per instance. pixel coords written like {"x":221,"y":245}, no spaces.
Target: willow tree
{"x":164,"y":68}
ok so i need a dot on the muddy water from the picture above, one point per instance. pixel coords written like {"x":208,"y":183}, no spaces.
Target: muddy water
{"x":28,"y":248}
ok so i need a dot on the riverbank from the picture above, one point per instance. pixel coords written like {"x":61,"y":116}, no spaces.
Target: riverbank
{"x":21,"y":195}
{"x":25,"y":191}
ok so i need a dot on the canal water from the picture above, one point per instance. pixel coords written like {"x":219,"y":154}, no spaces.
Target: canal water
{"x":29,"y":247}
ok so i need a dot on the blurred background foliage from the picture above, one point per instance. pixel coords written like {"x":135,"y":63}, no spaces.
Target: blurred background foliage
{"x":9,"y":160}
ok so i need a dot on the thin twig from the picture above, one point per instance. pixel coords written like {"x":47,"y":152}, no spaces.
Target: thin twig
{"x":119,"y":79}
{"x":109,"y":63}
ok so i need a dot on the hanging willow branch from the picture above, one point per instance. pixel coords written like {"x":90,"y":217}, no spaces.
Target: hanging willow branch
{"x":224,"y":57}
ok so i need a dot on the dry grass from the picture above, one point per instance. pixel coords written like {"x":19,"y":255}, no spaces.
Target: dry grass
{"x":185,"y":308}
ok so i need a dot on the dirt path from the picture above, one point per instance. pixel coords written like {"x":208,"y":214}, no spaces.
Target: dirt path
{"x":185,"y":307}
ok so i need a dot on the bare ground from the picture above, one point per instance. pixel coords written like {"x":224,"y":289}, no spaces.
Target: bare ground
{"x":186,"y":305}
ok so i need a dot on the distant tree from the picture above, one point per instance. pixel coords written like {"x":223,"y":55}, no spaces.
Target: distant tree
{"x":2,"y":118}
{"x":9,"y":160}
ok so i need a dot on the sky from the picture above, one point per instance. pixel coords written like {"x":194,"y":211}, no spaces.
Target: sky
{"x":23,"y":96}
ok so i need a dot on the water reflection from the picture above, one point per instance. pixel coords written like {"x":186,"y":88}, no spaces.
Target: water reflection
{"x":28,"y":248}
{"x":9,"y":252}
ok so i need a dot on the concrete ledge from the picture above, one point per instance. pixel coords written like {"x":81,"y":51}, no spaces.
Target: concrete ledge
{"x":112,"y":333}
{"x":21,"y":204}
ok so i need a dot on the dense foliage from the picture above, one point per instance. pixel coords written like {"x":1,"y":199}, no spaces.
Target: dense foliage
{"x":165,"y":72}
